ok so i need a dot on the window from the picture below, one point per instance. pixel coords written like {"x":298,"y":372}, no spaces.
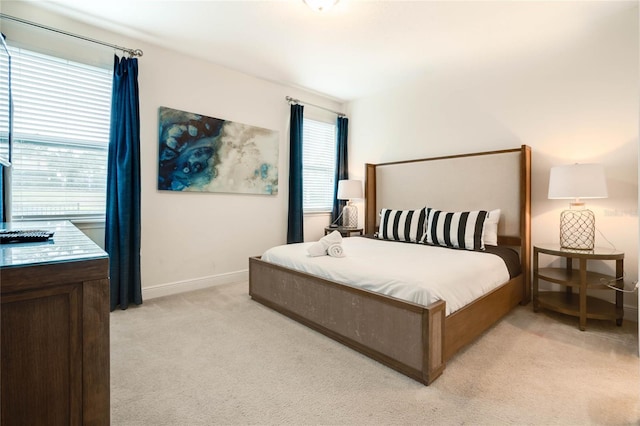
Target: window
{"x":61,"y":137}
{"x":318,"y":165}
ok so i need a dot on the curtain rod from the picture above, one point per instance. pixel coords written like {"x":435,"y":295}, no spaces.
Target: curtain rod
{"x":131,"y":52}
{"x":297,"y":101}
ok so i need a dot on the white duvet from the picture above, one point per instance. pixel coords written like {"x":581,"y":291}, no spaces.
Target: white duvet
{"x":413,"y":272}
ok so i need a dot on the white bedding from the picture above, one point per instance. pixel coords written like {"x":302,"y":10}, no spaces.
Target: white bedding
{"x":413,"y":272}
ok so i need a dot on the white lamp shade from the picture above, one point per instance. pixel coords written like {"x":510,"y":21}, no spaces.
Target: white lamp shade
{"x":349,"y":189}
{"x":577,"y":181}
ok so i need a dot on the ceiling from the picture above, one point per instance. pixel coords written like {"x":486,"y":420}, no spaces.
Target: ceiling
{"x":353,"y":50}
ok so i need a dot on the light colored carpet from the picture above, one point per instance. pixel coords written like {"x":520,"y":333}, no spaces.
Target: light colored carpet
{"x":214,"y":356}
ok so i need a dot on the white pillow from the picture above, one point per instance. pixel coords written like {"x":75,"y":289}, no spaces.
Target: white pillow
{"x":490,"y":229}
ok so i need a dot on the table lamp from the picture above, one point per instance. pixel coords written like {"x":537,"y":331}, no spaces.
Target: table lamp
{"x":349,"y":190}
{"x":577,"y":181}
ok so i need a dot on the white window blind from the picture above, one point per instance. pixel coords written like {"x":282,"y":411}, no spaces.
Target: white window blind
{"x":61,"y":136}
{"x":318,"y":165}
{"x":4,"y":104}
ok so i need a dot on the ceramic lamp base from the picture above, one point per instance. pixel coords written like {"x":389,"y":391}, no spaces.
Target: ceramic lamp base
{"x":350,"y":216}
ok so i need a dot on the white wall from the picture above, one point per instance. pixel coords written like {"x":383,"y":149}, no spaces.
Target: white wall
{"x":574,"y":102}
{"x":189,"y":240}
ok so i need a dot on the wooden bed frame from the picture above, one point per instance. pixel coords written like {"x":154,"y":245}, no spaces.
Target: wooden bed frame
{"x":410,"y":338}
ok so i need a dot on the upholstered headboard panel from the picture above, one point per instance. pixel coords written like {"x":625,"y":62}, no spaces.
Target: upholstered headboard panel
{"x":478,"y":181}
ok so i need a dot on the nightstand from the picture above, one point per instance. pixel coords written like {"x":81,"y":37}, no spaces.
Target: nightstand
{"x":578,"y":304}
{"x":345,"y":231}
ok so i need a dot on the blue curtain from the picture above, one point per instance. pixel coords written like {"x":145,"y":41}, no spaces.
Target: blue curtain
{"x":122,"y":234}
{"x":342,"y":164}
{"x":295,"y":232}
{"x":3,"y":215}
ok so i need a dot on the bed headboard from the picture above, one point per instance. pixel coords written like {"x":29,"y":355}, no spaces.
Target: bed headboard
{"x":477,"y":181}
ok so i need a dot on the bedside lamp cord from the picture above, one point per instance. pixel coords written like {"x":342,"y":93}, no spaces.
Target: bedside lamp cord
{"x":606,"y":282}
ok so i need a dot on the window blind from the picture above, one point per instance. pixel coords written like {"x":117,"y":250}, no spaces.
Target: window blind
{"x":61,"y":136}
{"x":318,"y":165}
{"x":4,"y":104}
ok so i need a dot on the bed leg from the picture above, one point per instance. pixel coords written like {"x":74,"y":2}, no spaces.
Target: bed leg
{"x":433,"y":337}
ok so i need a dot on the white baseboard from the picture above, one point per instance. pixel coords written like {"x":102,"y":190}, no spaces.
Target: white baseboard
{"x":168,"y":289}
{"x":631,"y":313}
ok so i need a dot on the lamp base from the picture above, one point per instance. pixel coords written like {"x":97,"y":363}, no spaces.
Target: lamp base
{"x":577,"y":229}
{"x":350,"y":216}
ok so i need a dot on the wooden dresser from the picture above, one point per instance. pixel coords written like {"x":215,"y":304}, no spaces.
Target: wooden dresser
{"x":55,"y":329}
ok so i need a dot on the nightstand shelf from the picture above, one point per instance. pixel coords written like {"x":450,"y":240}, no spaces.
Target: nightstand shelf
{"x":572,"y":279}
{"x":578,"y":304}
{"x":569,"y":304}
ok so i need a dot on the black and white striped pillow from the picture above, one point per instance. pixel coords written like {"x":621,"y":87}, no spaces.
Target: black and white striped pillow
{"x":402,"y":225}
{"x":455,"y":229}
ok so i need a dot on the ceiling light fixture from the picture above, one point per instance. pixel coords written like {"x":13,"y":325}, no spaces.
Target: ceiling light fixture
{"x":321,"y":5}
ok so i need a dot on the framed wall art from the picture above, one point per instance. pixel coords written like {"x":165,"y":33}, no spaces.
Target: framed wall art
{"x":206,"y":154}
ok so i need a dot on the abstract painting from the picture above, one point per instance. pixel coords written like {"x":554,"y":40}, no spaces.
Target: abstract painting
{"x":200,"y":153}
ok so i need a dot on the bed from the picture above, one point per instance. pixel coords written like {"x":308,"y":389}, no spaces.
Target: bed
{"x":413,"y":338}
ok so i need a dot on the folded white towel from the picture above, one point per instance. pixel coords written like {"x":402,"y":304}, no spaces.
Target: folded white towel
{"x":320,"y":248}
{"x":317,"y":249}
{"x":335,"y":250}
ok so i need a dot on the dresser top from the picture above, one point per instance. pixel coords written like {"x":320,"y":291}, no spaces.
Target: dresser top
{"x":67,"y":244}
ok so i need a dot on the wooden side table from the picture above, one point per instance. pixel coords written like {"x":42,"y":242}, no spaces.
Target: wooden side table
{"x":568,"y":302}
{"x":345,"y":231}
